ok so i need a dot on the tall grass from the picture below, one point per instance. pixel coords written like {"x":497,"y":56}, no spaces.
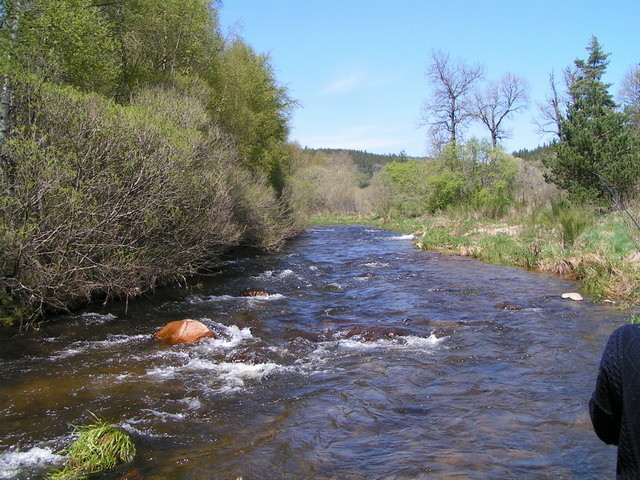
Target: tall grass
{"x":573,"y":223}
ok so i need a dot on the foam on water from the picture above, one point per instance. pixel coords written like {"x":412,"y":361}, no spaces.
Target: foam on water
{"x":192,"y":403}
{"x":67,"y":353}
{"x":231,"y":298}
{"x":271,"y":274}
{"x":401,"y":343}
{"x":164,"y":416}
{"x":111,"y":341}
{"x":268,"y":296}
{"x":236,"y":375}
{"x":13,"y":462}
{"x":209,"y":299}
{"x":227,"y":376}
{"x":91,"y":318}
{"x":409,"y":236}
{"x":229,"y":337}
{"x":129,"y":427}
{"x":376,"y":265}
{"x":165,"y":371}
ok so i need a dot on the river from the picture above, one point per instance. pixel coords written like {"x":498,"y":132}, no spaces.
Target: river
{"x":366,"y":359}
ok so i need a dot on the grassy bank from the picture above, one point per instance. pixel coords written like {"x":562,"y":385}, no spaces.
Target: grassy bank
{"x":596,"y":250}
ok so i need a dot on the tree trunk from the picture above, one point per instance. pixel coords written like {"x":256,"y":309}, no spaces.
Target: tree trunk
{"x":11,"y":24}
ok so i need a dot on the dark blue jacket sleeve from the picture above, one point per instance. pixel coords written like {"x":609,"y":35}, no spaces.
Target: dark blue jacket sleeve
{"x":605,"y":406}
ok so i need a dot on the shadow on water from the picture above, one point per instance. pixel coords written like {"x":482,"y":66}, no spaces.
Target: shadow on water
{"x":365,"y":359}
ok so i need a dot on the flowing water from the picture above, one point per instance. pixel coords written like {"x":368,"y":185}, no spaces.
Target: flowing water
{"x":366,"y":359}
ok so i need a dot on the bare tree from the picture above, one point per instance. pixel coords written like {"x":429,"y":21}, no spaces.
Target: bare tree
{"x":449,"y":109}
{"x":498,"y":102}
{"x":629,"y":94}
{"x":550,"y":114}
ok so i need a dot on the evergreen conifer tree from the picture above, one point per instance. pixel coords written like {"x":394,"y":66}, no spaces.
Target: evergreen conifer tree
{"x":599,"y":155}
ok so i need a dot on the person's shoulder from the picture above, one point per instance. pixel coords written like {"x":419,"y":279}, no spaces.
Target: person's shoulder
{"x":629,"y":330}
{"x":626,"y":334}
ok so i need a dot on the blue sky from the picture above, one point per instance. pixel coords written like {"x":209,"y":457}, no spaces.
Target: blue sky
{"x":357,"y":67}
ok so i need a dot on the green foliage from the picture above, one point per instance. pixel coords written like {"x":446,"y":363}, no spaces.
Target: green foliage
{"x":471,"y":175}
{"x":634,"y":319}
{"x":67,"y":42}
{"x":541,"y":243}
{"x":99,"y":447}
{"x":158,"y":40}
{"x":410,"y":187}
{"x":573,"y":225}
{"x":445,"y":188}
{"x":249,"y":103}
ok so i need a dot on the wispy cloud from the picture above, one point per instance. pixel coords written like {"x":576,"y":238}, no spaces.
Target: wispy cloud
{"x":374,"y":137}
{"x":345,"y":83}
{"x":358,"y":79}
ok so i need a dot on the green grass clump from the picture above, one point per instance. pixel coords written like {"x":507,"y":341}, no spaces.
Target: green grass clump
{"x":99,"y":447}
{"x":634,"y":318}
{"x":509,"y":250}
{"x":442,"y":238}
{"x":573,"y":223}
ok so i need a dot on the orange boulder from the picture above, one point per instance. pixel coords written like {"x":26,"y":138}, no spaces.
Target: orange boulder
{"x":184,"y":331}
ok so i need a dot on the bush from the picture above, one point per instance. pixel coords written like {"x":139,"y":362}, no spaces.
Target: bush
{"x":108,"y":201}
{"x":320,"y":183}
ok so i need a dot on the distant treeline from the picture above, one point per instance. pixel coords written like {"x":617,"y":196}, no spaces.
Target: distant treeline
{"x":368,"y":163}
{"x":534,"y":154}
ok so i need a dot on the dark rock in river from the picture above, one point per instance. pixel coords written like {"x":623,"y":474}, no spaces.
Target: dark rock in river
{"x":184,"y":331}
{"x":371,"y":334}
{"x":508,"y":306}
{"x":294,"y":333}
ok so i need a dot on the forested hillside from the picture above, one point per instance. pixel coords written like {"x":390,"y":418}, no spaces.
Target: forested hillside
{"x":369,"y":163}
{"x":137,"y":143}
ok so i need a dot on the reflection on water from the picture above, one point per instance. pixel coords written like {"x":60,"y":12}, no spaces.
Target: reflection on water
{"x":364,"y":359}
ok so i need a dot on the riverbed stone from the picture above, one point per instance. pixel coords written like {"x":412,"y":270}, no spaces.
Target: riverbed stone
{"x":372,"y":333}
{"x":255,"y":293}
{"x":576,"y":297}
{"x":184,"y":331}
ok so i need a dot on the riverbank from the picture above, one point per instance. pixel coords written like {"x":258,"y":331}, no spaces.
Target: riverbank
{"x":595,"y":250}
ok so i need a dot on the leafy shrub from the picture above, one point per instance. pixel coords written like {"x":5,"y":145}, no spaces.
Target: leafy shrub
{"x":108,"y":201}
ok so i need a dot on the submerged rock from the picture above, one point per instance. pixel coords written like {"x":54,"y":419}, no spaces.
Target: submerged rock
{"x":372,"y":334}
{"x":255,"y":293}
{"x":508,"y":306}
{"x":184,"y":331}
